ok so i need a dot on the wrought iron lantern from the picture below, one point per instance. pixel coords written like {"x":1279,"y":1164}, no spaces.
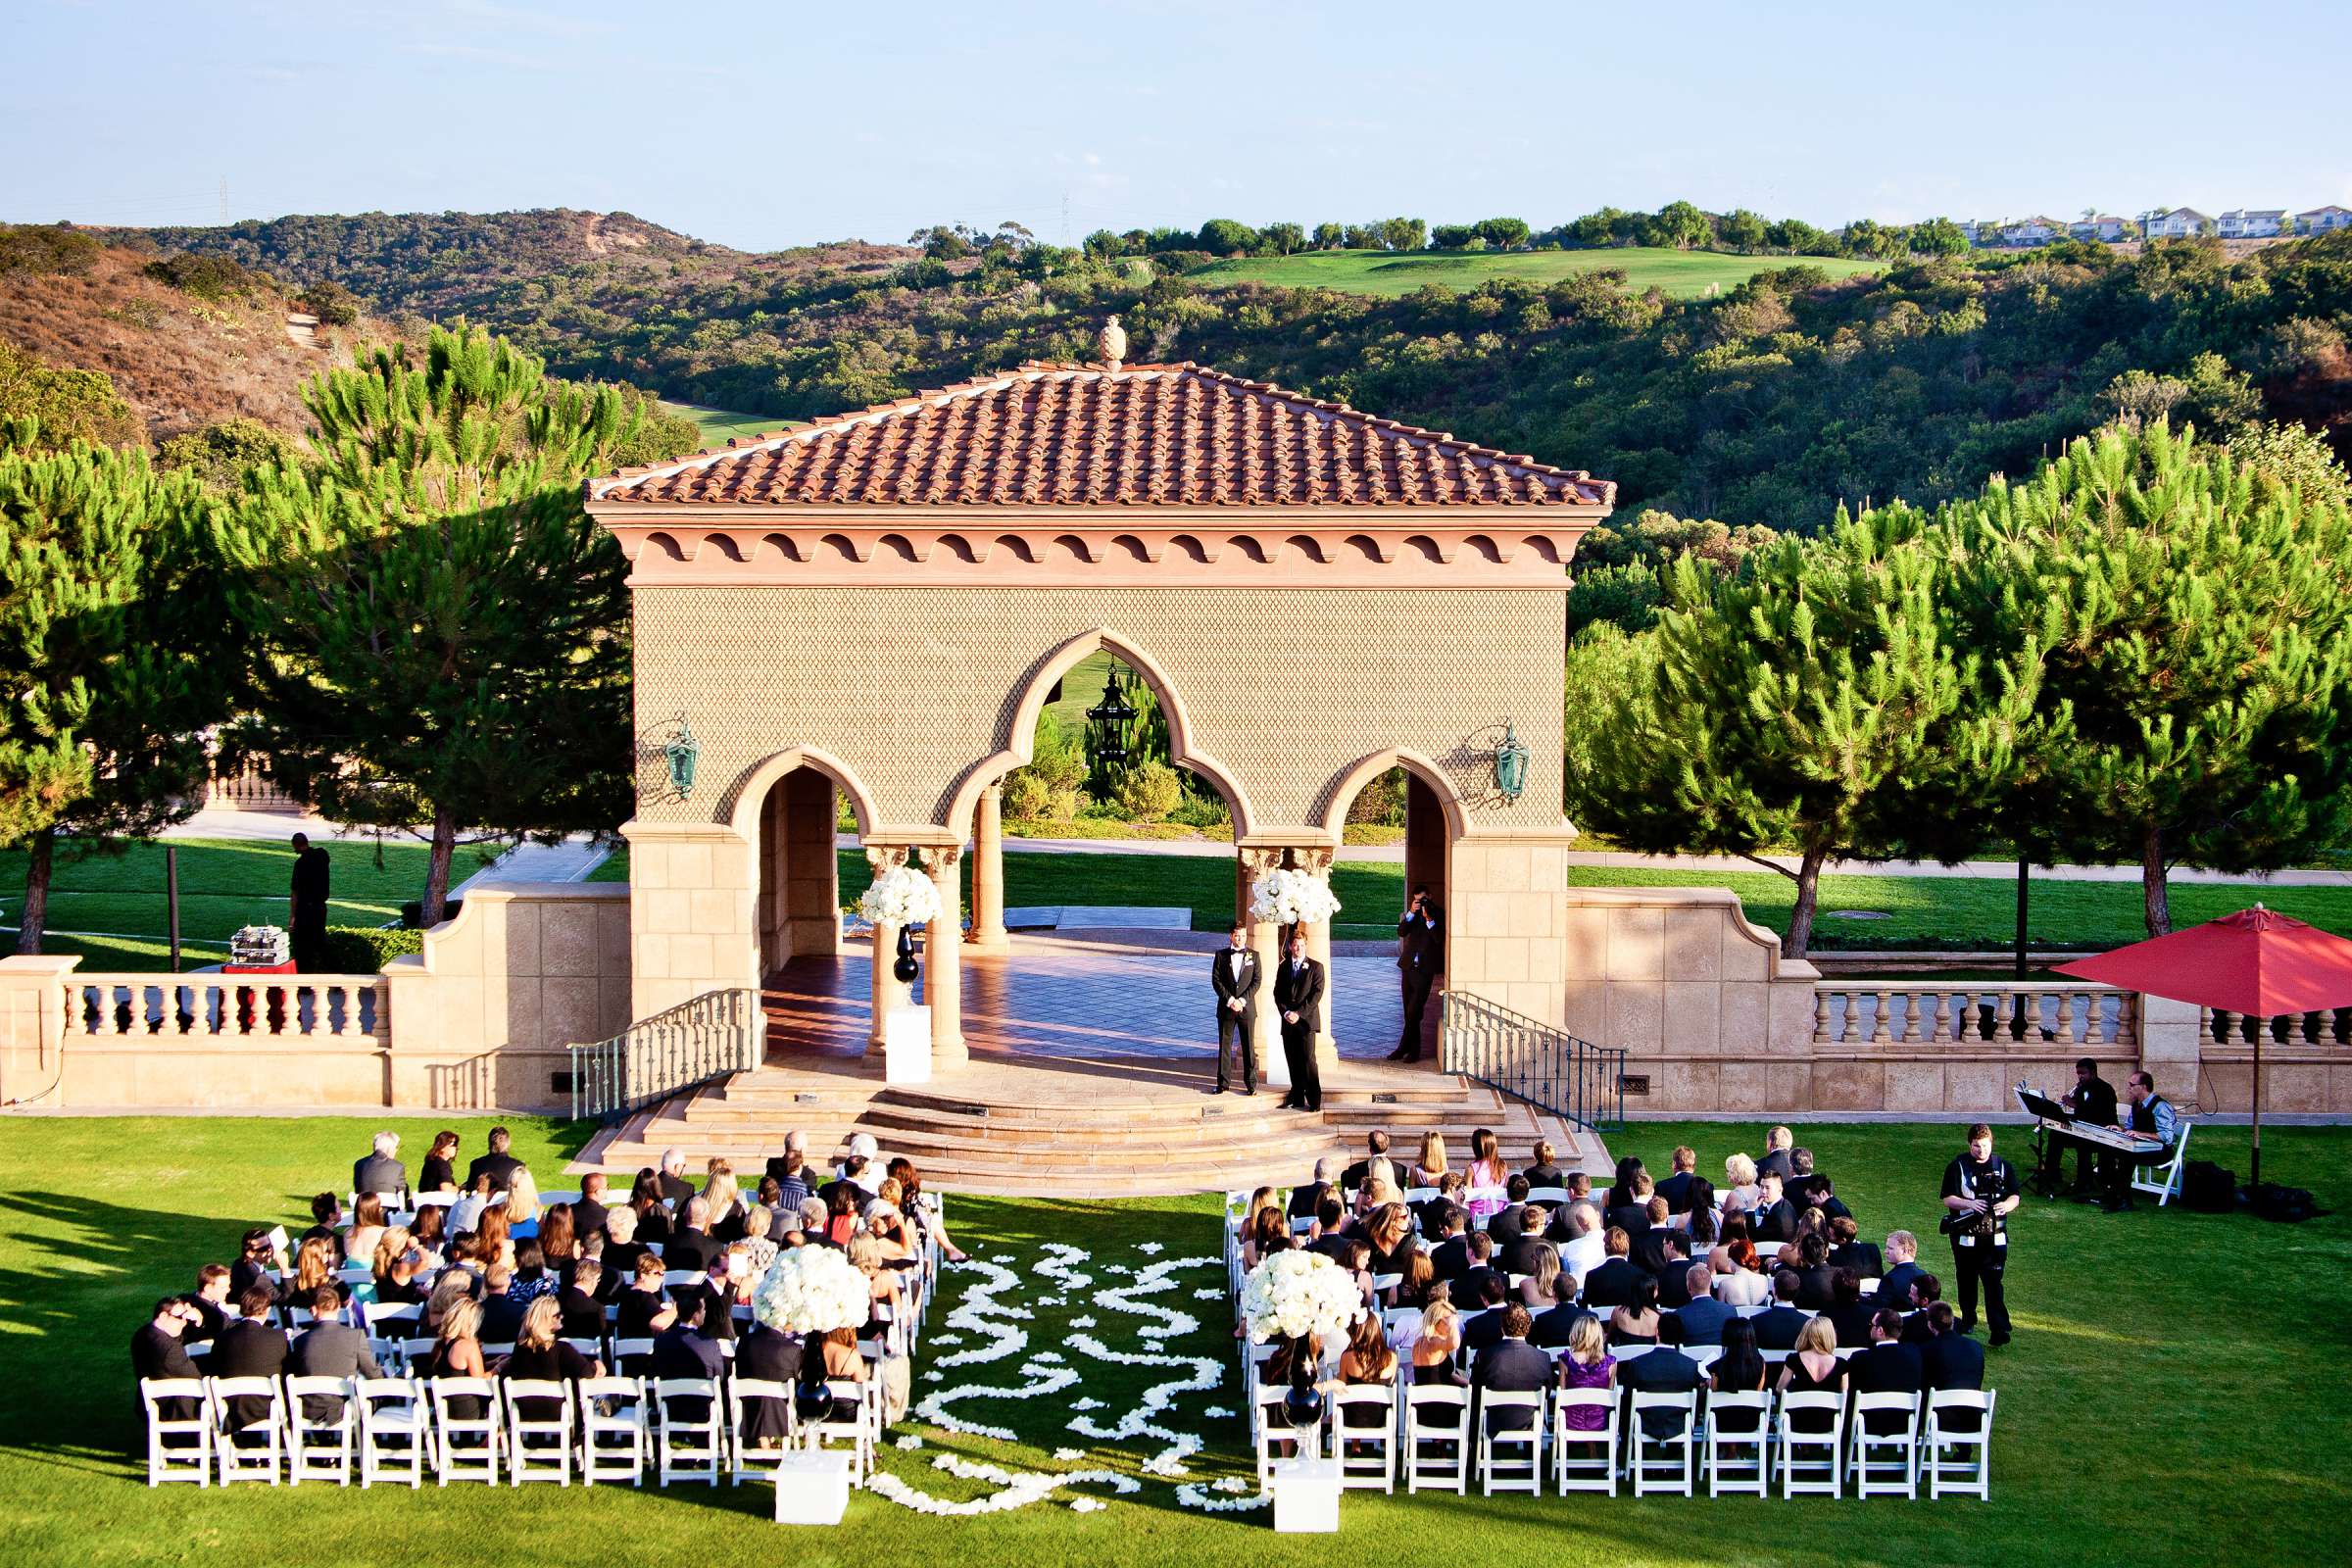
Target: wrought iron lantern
{"x":1112,"y":715}
{"x":1511,"y":765}
{"x":681,"y":752}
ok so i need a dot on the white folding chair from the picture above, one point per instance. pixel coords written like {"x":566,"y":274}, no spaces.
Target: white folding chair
{"x":1884,"y":1462}
{"x":1437,"y":1437}
{"x":632,"y":1358}
{"x":1549,"y":1197}
{"x":1499,"y":1468}
{"x":1958,"y":1446}
{"x":318,"y":1449}
{"x":1277,"y":1442}
{"x":1668,"y":1462}
{"x":465,"y":1447}
{"x":688,"y":1446}
{"x":613,"y":1430}
{"x":1811,"y":1461}
{"x":2163,"y":1180}
{"x":1367,"y":1453}
{"x":858,"y":1429}
{"x":385,"y":1321}
{"x":1253,"y":1360}
{"x":396,"y":1430}
{"x":538,"y":1445}
{"x":257,"y":1458}
{"x":178,"y":1448}
{"x":416,"y":1353}
{"x":1739,"y":1444}
{"x":1706,"y":1356}
{"x":1580,"y":1471}
{"x":744,"y":1396}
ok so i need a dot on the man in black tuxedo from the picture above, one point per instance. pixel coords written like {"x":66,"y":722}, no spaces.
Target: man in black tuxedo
{"x":1612,"y":1283}
{"x":1628,"y":1206}
{"x":330,"y":1348}
{"x":1520,"y":1254}
{"x":1511,"y":1365}
{"x":1778,"y":1324}
{"x":1662,"y":1371}
{"x":1485,"y":1296}
{"x":1950,"y":1361}
{"x":1234,"y":975}
{"x":1816,"y":1280}
{"x":306,"y":906}
{"x":1676,"y":1189}
{"x":766,"y":1353}
{"x":1774,"y":1218}
{"x":159,"y":1351}
{"x":1889,"y":1366}
{"x":211,"y":1302}
{"x":249,"y":1347}
{"x":1647,"y":1246}
{"x":1849,"y":1250}
{"x":378,"y":1171}
{"x":1471,"y":1287}
{"x":1450,"y":1257}
{"x":1673,"y":1272}
{"x":1420,"y":958}
{"x":580,"y":1302}
{"x":1902,"y":1267}
{"x":1551,"y":1328}
{"x":2092,"y":1102}
{"x":589,"y":1214}
{"x":672,"y":1177}
{"x":502,"y":1314}
{"x":690,"y":1246}
{"x":1351,"y":1180}
{"x":683,"y":1350}
{"x":1299,"y":993}
{"x":498,"y":1164}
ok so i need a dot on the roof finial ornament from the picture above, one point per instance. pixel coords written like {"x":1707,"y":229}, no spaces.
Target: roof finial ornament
{"x":1112,"y":344}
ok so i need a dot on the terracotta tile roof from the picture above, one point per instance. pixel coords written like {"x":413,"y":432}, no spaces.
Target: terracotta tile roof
{"x":1083,"y":436}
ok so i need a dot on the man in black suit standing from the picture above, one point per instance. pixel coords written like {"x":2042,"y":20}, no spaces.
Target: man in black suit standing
{"x":498,"y":1164}
{"x":306,"y":905}
{"x":249,"y":1347}
{"x":1420,"y":958}
{"x":330,"y":1348}
{"x":2092,"y":1102}
{"x":1299,"y":993}
{"x":1511,"y":1365}
{"x":1234,"y":975}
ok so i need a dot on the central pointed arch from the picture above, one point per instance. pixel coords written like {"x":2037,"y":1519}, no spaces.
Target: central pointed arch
{"x":1183,"y":747}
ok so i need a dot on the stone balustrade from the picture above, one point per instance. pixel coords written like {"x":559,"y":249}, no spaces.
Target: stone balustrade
{"x":338,"y":1006}
{"x":1885,"y":1012}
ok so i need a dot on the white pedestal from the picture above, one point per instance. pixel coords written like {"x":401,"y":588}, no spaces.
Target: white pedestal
{"x":907,"y":1046}
{"x":812,"y":1487}
{"x":1274,"y":1067}
{"x":1306,"y":1496}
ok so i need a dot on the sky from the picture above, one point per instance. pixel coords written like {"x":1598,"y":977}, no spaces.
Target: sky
{"x":767,"y":125}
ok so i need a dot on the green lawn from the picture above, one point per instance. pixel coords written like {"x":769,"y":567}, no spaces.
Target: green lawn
{"x":2167,"y":1401}
{"x":719,"y":425}
{"x":223,"y":884}
{"x":1682,"y":274}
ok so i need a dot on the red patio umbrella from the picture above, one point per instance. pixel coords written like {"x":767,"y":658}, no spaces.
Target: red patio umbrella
{"x":2257,"y":962}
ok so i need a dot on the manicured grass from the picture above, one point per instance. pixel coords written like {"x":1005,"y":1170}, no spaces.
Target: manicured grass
{"x":1682,"y":274}
{"x":223,"y":884}
{"x":2165,"y":1400}
{"x":719,"y":426}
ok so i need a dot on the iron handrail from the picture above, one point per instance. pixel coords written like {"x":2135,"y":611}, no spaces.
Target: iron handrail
{"x":1530,"y":1061}
{"x":704,"y":1037}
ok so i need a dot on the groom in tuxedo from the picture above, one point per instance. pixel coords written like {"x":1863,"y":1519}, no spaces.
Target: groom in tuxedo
{"x":1299,"y":993}
{"x":1236,"y":978}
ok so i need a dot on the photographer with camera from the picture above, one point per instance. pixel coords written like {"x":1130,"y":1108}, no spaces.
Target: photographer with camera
{"x":1980,"y":1191}
{"x":1420,"y":954}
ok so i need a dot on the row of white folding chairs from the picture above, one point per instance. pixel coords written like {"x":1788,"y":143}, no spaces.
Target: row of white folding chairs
{"x":399,"y":1429}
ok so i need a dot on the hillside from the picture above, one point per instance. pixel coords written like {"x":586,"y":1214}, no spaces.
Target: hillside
{"x":1386,"y":275}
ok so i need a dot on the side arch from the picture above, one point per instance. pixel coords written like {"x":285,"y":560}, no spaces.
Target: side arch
{"x":1344,"y":789}
{"x":751,"y":789}
{"x":1182,"y":747}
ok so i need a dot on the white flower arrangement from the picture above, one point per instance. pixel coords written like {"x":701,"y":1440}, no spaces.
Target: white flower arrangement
{"x":1192,"y":1495}
{"x":1291,"y":897}
{"x":1298,"y":1292}
{"x":899,"y":897}
{"x":812,"y":1290}
{"x":1019,"y":1488}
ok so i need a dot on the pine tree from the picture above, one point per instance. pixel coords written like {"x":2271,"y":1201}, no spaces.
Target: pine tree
{"x":2199,"y":614}
{"x":448,"y":625}
{"x":119,"y":650}
{"x":1812,"y":698}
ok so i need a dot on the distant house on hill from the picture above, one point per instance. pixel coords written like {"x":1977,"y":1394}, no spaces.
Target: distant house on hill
{"x":2105,"y":228}
{"x":2324,"y":219}
{"x":2253,"y":223}
{"x":2181,"y":223}
{"x":2031,"y":231}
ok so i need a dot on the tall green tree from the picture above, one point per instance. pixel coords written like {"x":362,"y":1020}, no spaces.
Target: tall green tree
{"x":118,"y":649}
{"x":1812,"y":700}
{"x":446,"y":624}
{"x":2198,"y":617}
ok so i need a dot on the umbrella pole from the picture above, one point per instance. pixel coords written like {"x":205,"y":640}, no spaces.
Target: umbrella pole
{"x":2254,"y":1166}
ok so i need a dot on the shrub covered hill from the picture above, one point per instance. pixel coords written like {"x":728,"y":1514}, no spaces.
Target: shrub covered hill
{"x":1769,"y":404}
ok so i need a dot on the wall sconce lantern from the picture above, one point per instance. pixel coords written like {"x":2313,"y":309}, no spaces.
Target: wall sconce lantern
{"x":1510,"y":766}
{"x":1113,"y":715}
{"x":681,"y":752}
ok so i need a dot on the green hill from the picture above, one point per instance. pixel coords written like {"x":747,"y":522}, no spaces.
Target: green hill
{"x":1386,"y":275}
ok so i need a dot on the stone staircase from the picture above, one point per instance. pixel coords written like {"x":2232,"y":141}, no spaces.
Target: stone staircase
{"x":1111,"y":1128}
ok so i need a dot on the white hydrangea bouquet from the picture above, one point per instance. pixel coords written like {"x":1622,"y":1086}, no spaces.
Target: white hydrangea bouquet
{"x":812,"y":1290}
{"x":1291,"y":897}
{"x":899,"y":897}
{"x":1298,"y":1292}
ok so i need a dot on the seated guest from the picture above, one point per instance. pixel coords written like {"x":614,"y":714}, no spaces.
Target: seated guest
{"x":1646,"y":1246}
{"x":588,"y":1214}
{"x":843,"y":1200}
{"x":1520,"y":1251}
{"x":691,"y":1247}
{"x":1637,"y":1321}
{"x":1419,"y":1278}
{"x":498,"y":1164}
{"x":1542,"y":1289}
{"x":1366,"y":1361}
{"x":377,"y":1172}
{"x":1555,"y":1328}
{"x":523,"y":1205}
{"x":760,"y":1227}
{"x":1701,"y":1318}
{"x":836,"y":1361}
{"x":1472,"y":1285}
{"x":1736,"y":1287}
{"x":1849,"y":1311}
{"x":1479,"y":1332}
{"x":1674,"y":1272}
{"x":932,"y":1223}
{"x":684,"y":1350}
{"x":1612,"y":1282}
{"x":1308,"y":1196}
{"x":533,"y":1277}
{"x":493,"y":1238}
{"x":398,"y":1262}
{"x":578,"y":1308}
{"x":1390,"y":1232}
{"x":210,"y":1300}
{"x":622,"y":1247}
{"x":429,"y":1230}
{"x":1894,"y":1285}
{"x":1734,"y":1239}
{"x":1774,"y":1217}
{"x":1511,"y":1365}
{"x":368,"y":1220}
{"x":1450,"y":1257}
{"x":770,"y":1356}
{"x":722,"y":1195}
{"x":1949,"y":1359}
{"x":1331,"y":1231}
{"x":1812,"y":1367}
{"x":1888,"y":1367}
{"x":558,"y":1240}
{"x":1632,"y":1216}
{"x":857,"y":1169}
{"x":327,"y":1219}
{"x":1621,"y":1189}
{"x":329,"y":1348}
{"x":457,"y":1353}
{"x":450,"y":1286}
{"x":1586,"y":1364}
{"x":1700,"y":1195}
{"x":1546,"y":1171}
{"x":1440,"y":1340}
{"x":1816,"y":1280}
{"x":1926,"y":1291}
{"x":1847,"y":1249}
{"x":1740,"y":1368}
{"x":313,"y":1268}
{"x":1740,"y":1183}
{"x":642,"y":1310}
{"x":1778,"y":1325}
{"x":542,"y":1355}
{"x":249,"y":1347}
{"x":502,"y":1314}
{"x":651,"y":1209}
{"x":1661,"y":1371}
{"x":466,"y":1214}
{"x":159,"y":1351}
{"x":1431,"y":1168}
{"x":1577,"y":1230}
{"x":258,"y":1257}
{"x":1815,"y":1191}
{"x":796,"y":1181}
{"x":1777,"y":1144}
{"x":1675,"y":1187}
{"x":439,"y":1173}
{"x":1376,"y":1147}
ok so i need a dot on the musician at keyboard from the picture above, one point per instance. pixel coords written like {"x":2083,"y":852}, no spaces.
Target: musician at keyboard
{"x":2147,"y":1116}
{"x":2093,"y":1101}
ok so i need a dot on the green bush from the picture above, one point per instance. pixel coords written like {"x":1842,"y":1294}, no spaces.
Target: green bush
{"x":35,"y":248}
{"x":367,"y":949}
{"x":1149,"y":790}
{"x":1201,"y":811}
{"x":215,"y":278}
{"x":330,"y":302}
{"x":1048,"y":784}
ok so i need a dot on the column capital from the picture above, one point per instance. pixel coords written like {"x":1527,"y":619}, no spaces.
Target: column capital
{"x":942,"y":858}
{"x":1315,"y":859}
{"x":1258,"y":860}
{"x":887,"y":857}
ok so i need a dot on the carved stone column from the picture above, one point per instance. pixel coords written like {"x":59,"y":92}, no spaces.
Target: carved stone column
{"x":943,"y":961}
{"x":1317,"y":863}
{"x":988,"y":934}
{"x":888,"y":990}
{"x":1265,"y":938}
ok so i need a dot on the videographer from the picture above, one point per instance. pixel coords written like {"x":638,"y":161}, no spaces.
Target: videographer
{"x":1980,"y":1191}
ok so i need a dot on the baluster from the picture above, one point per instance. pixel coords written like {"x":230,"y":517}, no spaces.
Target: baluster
{"x":2066,"y":1016}
{"x":1911,"y":1032}
{"x":1881,"y":1005}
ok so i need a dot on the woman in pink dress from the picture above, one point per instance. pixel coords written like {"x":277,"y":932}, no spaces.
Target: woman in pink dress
{"x":1488,"y":1178}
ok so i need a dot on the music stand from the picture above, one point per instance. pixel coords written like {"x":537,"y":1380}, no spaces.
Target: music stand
{"x":2044,"y":1109}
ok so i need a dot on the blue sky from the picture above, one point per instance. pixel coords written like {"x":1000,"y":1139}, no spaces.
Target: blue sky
{"x":763,"y":125}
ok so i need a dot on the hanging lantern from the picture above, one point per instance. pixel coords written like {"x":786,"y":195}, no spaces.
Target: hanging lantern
{"x":1510,"y":766}
{"x":681,"y":752}
{"x":1113,"y":715}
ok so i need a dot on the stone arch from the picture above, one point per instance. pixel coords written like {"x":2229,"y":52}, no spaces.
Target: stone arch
{"x":1341,"y":793}
{"x":751,"y":789}
{"x":1181,"y":746}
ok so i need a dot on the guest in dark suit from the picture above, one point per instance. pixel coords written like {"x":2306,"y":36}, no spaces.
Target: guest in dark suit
{"x":1950,"y":1361}
{"x":1628,"y":1206}
{"x":1420,"y":958}
{"x":1664,"y":1370}
{"x":378,"y":1171}
{"x":1702,"y":1317}
{"x":1234,"y":973}
{"x":1511,"y":1365}
{"x":1847,"y":1249}
{"x":1647,"y":1245}
{"x":249,"y":1347}
{"x":159,"y":1351}
{"x":775,"y":1357}
{"x":589,"y":1214}
{"x":1551,"y":1330}
{"x":1776,"y":1325}
{"x":690,"y":1246}
{"x":1849,"y":1313}
{"x":1774,"y":1218}
{"x":1299,"y":993}
{"x":1674,"y":1272}
{"x":1777,"y":1144}
{"x":1676,"y":1189}
{"x":671,"y":1179}
{"x":795,"y":1181}
{"x":1612,"y":1283}
{"x":1520,"y":1253}
{"x":1894,"y":1285}
{"x":1546,"y":1171}
{"x":684,"y":1350}
{"x":498,"y":1164}
{"x":502,"y":1314}
{"x":1485,"y":1330}
{"x":580,"y":1304}
{"x":1450,"y":1257}
{"x":330,"y":1348}
{"x":1816,"y":1280}
{"x":306,"y":905}
{"x":1889,"y":1366}
{"x":1376,"y":1146}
